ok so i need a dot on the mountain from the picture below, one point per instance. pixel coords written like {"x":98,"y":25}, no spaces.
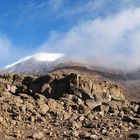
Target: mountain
{"x":42,"y":63}
{"x":37,"y":63}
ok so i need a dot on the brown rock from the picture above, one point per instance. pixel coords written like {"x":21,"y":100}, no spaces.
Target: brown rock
{"x":55,"y":105}
{"x":17,"y":100}
{"x":116,"y":93}
{"x":5,"y":94}
{"x":13,"y":89}
{"x":92,"y":103}
{"x":135,"y":134}
{"x":38,"y":136}
{"x":1,"y":120}
{"x":30,"y":107}
{"x":43,"y":109}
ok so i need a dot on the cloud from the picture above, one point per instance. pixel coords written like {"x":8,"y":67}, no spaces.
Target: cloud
{"x":77,"y":10}
{"x":59,"y":11}
{"x":105,"y":32}
{"x":9,"y":52}
{"x":111,"y":41}
{"x":55,"y":10}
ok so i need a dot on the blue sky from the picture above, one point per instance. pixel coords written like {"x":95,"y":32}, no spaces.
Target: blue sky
{"x":30,"y":26}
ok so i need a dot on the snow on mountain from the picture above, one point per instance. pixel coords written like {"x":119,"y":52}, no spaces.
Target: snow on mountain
{"x":38,"y":57}
{"x":39,"y":62}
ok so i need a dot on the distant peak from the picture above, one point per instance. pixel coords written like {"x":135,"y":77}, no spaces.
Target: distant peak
{"x":49,"y":57}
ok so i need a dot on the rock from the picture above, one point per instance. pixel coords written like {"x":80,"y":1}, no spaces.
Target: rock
{"x":1,"y":120}
{"x":131,"y":119}
{"x":38,"y":136}
{"x":115,"y":105}
{"x":76,"y":125}
{"x":23,"y":108}
{"x":24,"y":96}
{"x":69,"y":106}
{"x":92,"y":103}
{"x":94,"y":137}
{"x":75,"y":133}
{"x":55,"y":105}
{"x":40,"y":97}
{"x":88,"y":124}
{"x":30,"y":107}
{"x":46,"y":88}
{"x":5,"y":94}
{"x":13,"y":89}
{"x":43,"y":109}
{"x":104,"y":108}
{"x":136,"y":108}
{"x":8,"y":88}
{"x":104,"y":131}
{"x":17,"y":134}
{"x":66,"y":115}
{"x":85,"y":135}
{"x":135,"y":134}
{"x":17,"y":100}
{"x":106,"y":97}
{"x":116,"y":93}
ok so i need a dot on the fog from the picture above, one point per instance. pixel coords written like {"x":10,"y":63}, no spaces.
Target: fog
{"x":112,"y":41}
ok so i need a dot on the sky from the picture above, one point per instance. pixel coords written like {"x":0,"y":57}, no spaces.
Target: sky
{"x":104,"y":32}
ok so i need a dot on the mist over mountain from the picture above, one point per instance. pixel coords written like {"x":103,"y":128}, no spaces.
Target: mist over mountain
{"x":37,"y":63}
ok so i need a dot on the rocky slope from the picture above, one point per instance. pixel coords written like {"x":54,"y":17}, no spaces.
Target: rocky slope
{"x":68,"y":105}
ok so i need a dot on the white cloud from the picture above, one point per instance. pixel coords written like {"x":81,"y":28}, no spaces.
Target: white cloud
{"x":9,"y":52}
{"x":110,"y":41}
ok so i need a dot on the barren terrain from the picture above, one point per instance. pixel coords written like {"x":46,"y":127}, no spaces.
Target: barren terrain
{"x":71,"y":103}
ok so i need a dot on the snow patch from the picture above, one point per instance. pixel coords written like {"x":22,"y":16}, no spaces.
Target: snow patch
{"x":50,"y":57}
{"x":47,"y":56}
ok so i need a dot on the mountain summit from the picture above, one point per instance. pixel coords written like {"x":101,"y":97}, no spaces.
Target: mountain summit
{"x":34,"y":63}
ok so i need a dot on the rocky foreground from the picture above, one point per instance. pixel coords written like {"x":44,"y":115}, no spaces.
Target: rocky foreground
{"x":66,"y":106}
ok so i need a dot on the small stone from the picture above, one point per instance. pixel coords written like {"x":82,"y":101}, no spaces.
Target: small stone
{"x":81,"y":118}
{"x":66,"y":115}
{"x":13,"y":89}
{"x":85,"y":135}
{"x":23,"y":108}
{"x":30,"y":107}
{"x":55,"y":105}
{"x":103,"y":131}
{"x":32,"y":118}
{"x":43,"y":109}
{"x":135,"y":134}
{"x":104,"y":108}
{"x":131,"y":119}
{"x":106,"y":97}
{"x":93,"y":136}
{"x":75,"y":133}
{"x":136,"y":108}
{"x":6,"y":94}
{"x":1,"y":120}
{"x":17,"y":100}
{"x":38,"y":136}
{"x":8,"y":87}
{"x":76,"y":125}
{"x":17,"y":134}
{"x":92,"y":103}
